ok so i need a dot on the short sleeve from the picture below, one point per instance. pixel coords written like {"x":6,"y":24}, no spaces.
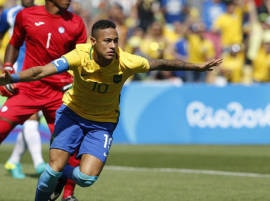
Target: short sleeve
{"x":73,"y":58}
{"x":136,"y":63}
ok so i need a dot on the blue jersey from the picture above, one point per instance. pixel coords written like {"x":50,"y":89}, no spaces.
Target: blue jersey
{"x":7,"y":21}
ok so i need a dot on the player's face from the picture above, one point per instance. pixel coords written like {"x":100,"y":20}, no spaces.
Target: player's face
{"x":105,"y":44}
{"x":27,"y":3}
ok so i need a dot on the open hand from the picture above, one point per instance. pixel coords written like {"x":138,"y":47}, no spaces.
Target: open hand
{"x":209,"y":66}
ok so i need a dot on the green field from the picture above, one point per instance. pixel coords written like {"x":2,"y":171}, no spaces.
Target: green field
{"x":163,"y":173}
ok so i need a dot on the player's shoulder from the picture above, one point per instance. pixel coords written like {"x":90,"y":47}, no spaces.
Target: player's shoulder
{"x":123,"y":54}
{"x":120,"y":51}
{"x":72,"y":16}
{"x":83,"y":49}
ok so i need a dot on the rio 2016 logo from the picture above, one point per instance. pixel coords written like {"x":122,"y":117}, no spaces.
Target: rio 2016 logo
{"x":234,"y":115}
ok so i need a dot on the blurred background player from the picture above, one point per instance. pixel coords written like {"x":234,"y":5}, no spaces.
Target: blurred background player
{"x":48,"y":32}
{"x":29,"y":137}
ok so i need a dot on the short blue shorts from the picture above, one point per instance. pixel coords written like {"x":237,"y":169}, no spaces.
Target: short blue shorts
{"x":73,"y":133}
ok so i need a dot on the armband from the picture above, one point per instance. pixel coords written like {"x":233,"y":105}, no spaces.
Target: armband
{"x":15,"y":77}
{"x":61,"y":64}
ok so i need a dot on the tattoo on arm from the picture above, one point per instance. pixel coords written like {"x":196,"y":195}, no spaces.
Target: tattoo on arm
{"x":171,"y":65}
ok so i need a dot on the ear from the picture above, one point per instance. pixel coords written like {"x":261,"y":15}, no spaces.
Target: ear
{"x":93,"y":40}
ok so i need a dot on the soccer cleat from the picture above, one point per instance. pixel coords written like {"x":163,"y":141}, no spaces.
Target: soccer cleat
{"x":40,"y":168}
{"x":70,"y":198}
{"x":58,"y":189}
{"x":9,"y":166}
{"x":15,"y":170}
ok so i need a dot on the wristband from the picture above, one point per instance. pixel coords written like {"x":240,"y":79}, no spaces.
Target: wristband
{"x":15,"y":77}
{"x":8,"y":66}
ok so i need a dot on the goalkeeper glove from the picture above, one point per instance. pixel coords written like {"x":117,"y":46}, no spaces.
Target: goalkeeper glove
{"x":8,"y":90}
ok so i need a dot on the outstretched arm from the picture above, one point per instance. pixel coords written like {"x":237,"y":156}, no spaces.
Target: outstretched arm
{"x":177,"y":64}
{"x":34,"y":73}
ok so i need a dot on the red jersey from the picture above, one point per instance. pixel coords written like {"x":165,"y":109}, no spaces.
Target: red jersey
{"x":47,"y":37}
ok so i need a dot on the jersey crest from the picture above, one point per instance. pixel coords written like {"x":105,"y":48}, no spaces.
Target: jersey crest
{"x":117,"y":78}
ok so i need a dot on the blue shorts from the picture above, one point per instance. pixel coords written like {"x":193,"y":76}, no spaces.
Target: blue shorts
{"x":74,"y":133}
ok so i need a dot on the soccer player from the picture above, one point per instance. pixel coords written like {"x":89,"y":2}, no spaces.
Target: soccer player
{"x":90,"y":110}
{"x":48,"y":31}
{"x":29,"y":137}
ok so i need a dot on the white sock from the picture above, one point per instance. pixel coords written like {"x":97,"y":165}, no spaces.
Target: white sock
{"x":18,"y":150}
{"x":33,"y":141}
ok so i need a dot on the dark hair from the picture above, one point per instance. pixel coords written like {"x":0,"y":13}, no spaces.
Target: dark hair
{"x":102,"y":24}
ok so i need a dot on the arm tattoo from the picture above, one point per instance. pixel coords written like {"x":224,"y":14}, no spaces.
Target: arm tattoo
{"x":171,"y":65}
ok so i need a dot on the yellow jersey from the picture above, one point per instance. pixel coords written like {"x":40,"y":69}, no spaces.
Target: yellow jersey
{"x":230,"y":27}
{"x":96,"y":90}
{"x":234,"y":65}
{"x":261,"y":66}
{"x":200,"y":50}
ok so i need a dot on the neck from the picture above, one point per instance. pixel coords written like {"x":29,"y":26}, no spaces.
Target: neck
{"x":101,"y":61}
{"x":53,"y":8}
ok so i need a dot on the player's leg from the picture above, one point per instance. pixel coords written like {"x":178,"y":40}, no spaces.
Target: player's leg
{"x":66,"y":185}
{"x":7,"y":118}
{"x":69,"y":187}
{"x":82,"y":179}
{"x":6,"y":126}
{"x":13,"y":163}
{"x":89,"y":170}
{"x":64,"y":141}
{"x":33,"y":140}
{"x":30,"y":139}
{"x":93,"y":150}
{"x":15,"y":111}
{"x":94,"y":168}
{"x":49,"y":177}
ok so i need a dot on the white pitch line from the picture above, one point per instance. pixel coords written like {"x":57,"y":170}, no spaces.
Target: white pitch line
{"x":188,"y":171}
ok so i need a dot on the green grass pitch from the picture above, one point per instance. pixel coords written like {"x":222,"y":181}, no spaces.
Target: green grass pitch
{"x":163,"y":173}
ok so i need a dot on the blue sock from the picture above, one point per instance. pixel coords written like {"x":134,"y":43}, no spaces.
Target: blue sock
{"x":46,"y":183}
{"x":68,"y":171}
{"x":82,"y":179}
